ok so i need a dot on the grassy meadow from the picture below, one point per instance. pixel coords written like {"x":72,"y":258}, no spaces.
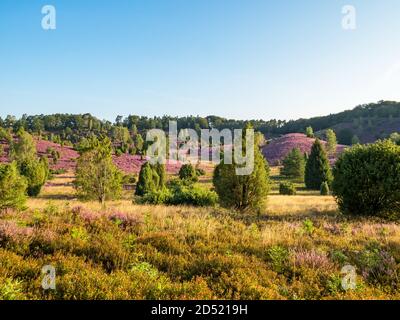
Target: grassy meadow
{"x":294,"y":250}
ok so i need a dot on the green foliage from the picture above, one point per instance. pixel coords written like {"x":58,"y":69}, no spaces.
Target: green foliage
{"x":355,"y":140}
{"x":243,"y":193}
{"x":139,"y":143}
{"x":188,"y":172}
{"x":308,"y":227}
{"x":159,"y":168}
{"x":200,"y":172}
{"x":12,"y":187}
{"x":157,"y":197}
{"x":36,"y":171}
{"x":97,"y":178}
{"x":367,"y":180}
{"x":324,"y":191}
{"x":279,"y":257}
{"x":192,"y":195}
{"x":287,"y":188}
{"x":309,"y":132}
{"x":129,"y":179}
{"x":54,"y":154}
{"x":331,"y":144}
{"x":317,"y":167}
{"x":345,"y":136}
{"x":151,"y":178}
{"x":179,"y":193}
{"x":294,"y":165}
{"x":10,"y":289}
{"x":24,"y":148}
{"x":395,"y":137}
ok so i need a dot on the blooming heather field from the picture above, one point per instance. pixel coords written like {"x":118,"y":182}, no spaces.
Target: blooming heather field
{"x":129,"y":164}
{"x":294,"y":250}
{"x":278,"y":148}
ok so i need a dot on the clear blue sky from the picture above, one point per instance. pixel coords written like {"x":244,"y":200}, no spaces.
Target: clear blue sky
{"x":234,"y":58}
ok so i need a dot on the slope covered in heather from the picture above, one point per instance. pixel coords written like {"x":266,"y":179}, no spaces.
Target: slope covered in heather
{"x":278,"y":148}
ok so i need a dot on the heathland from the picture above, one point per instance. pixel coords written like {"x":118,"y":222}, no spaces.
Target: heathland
{"x":181,"y":243}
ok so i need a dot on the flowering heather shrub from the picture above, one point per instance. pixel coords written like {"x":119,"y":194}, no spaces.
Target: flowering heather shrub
{"x":88,"y":216}
{"x":125,"y":220}
{"x":11,"y":232}
{"x":333,"y":228}
{"x":311,"y":259}
{"x":378,"y":266}
{"x":193,"y":253}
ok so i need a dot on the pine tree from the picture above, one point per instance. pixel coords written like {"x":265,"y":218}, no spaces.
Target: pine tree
{"x":243,"y":193}
{"x":317,"y":168}
{"x":294,"y":165}
{"x":97,"y":178}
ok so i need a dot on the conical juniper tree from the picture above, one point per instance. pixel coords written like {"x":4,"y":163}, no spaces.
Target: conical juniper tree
{"x":317,"y":169}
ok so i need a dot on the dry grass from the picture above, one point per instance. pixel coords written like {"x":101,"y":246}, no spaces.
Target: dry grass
{"x":295,"y":250}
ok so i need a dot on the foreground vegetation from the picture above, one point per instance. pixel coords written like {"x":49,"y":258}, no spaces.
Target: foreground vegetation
{"x":295,"y":250}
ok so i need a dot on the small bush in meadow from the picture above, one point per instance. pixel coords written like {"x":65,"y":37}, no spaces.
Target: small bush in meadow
{"x":188,"y":172}
{"x":308,"y":226}
{"x":324,"y":189}
{"x":279,"y":257}
{"x":193,"y":195}
{"x":157,"y":197}
{"x":181,"y":193}
{"x":287,"y":188}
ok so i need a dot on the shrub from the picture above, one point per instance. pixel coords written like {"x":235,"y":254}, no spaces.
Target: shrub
{"x":243,"y":193}
{"x":148,"y":180}
{"x":97,"y":178}
{"x":36,"y":172}
{"x":317,"y":168}
{"x":188,"y":172}
{"x":129,"y":179}
{"x":324,"y":189}
{"x":182,"y":194}
{"x":200,"y":172}
{"x":367,"y":180}
{"x":294,"y":165}
{"x":193,"y":195}
{"x":157,"y":197}
{"x":279,"y":257}
{"x":287,"y":188}
{"x":12,"y":187}
{"x":159,"y":168}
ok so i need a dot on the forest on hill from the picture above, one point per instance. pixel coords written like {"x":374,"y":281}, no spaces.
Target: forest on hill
{"x":368,"y":123}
